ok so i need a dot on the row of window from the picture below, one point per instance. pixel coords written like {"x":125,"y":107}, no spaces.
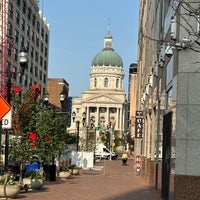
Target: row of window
{"x":106,"y":83}
{"x":28,"y":13}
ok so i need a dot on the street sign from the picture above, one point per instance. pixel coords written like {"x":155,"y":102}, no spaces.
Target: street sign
{"x":7,"y":121}
{"x":4,"y":107}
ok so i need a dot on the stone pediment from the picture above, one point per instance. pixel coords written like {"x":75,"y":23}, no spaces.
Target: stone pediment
{"x":102,"y":99}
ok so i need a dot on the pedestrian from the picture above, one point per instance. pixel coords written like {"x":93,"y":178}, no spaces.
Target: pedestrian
{"x":124,"y":157}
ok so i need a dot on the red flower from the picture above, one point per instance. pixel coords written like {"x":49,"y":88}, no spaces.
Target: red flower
{"x":17,"y":89}
{"x":33,"y":136}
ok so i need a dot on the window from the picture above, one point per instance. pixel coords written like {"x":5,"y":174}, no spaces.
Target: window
{"x":38,"y":27}
{"x":41,"y":61}
{"x":117,"y":83}
{"x":45,"y":65}
{"x":24,"y":7}
{"x":33,"y":21}
{"x":46,"y":38}
{"x":16,"y":54}
{"x":31,"y":67}
{"x":42,"y":47}
{"x":10,"y":30}
{"x":36,"y":57}
{"x":9,"y":49}
{"x":40,"y":75}
{"x":42,"y":33}
{"x":18,"y":2}
{"x":44,"y":78}
{"x":16,"y":36}
{"x":36,"y":72}
{"x":95,"y":82}
{"x":10,"y":10}
{"x":46,"y":52}
{"x":29,"y":13}
{"x":27,"y":46}
{"x":37,"y":41}
{"x":17,"y":17}
{"x":22,"y":41}
{"x":28,"y":31}
{"x":32,"y":52}
{"x":23,"y":24}
{"x":106,"y":82}
{"x":33,"y":36}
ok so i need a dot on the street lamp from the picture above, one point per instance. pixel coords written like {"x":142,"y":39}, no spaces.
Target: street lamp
{"x":73,"y":116}
{"x":62,"y":100}
{"x":23,"y":59}
{"x":77,"y":127}
{"x":84,"y":118}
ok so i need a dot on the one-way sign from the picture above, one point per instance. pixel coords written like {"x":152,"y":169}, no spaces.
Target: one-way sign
{"x":7,"y":121}
{"x":4,"y":107}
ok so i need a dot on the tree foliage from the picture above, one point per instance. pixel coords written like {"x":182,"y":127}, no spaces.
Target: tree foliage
{"x":38,"y":129}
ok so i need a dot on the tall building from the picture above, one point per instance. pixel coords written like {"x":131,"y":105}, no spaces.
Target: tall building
{"x":132,"y":89}
{"x":168,"y":97}
{"x":22,"y":26}
{"x":104,"y":101}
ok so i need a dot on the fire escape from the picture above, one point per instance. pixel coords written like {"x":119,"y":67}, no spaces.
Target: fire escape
{"x":6,"y":47}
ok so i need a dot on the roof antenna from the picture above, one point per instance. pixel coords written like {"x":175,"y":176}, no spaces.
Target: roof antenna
{"x":108,"y":24}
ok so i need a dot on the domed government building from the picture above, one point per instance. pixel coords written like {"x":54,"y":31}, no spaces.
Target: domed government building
{"x":104,"y":102}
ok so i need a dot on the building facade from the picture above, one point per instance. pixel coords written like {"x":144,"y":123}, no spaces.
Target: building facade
{"x":22,"y":26}
{"x":168,"y":97}
{"x":132,"y":89}
{"x":104,"y":101}
{"x":58,"y":90}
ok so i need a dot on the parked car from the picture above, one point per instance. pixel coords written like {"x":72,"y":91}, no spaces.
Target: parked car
{"x":102,"y":152}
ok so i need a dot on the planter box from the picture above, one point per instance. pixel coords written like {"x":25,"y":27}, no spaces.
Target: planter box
{"x":33,"y":183}
{"x":75,"y":171}
{"x":64,"y":175}
{"x":9,"y":191}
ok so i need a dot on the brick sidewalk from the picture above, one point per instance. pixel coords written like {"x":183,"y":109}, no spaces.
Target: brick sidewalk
{"x":109,"y":181}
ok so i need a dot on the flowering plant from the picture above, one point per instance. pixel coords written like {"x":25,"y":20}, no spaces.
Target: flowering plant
{"x":33,"y":174}
{"x":7,"y":179}
{"x":64,"y":168}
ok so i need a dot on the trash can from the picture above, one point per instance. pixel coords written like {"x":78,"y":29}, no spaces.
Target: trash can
{"x":50,"y":172}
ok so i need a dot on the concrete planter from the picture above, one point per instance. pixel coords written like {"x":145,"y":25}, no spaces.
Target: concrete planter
{"x":33,"y":183}
{"x":9,"y":191}
{"x":64,"y":175}
{"x":75,"y":171}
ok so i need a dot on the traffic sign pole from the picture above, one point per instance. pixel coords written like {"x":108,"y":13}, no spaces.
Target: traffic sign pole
{"x":0,"y":139}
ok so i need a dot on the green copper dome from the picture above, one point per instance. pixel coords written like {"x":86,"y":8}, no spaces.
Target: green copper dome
{"x":107,"y":57}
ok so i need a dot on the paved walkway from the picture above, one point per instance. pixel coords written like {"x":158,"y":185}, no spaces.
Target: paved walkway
{"x":108,"y":181}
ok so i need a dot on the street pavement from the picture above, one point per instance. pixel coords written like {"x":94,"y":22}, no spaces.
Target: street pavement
{"x":108,"y":180}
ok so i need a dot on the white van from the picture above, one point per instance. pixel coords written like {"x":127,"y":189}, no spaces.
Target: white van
{"x":102,"y":152}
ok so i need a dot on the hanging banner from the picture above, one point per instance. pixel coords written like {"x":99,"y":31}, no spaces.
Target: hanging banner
{"x":139,"y":124}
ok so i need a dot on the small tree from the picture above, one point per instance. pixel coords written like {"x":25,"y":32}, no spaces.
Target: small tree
{"x":38,"y":130}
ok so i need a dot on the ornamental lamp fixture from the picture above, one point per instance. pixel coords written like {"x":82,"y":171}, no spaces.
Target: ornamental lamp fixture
{"x":23,"y":59}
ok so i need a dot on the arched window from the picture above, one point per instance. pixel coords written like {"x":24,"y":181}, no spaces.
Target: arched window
{"x":117,"y":83}
{"x":95,"y":82}
{"x":106,"y":82}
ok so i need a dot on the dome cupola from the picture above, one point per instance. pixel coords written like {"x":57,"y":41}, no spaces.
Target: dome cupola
{"x":107,"y":57}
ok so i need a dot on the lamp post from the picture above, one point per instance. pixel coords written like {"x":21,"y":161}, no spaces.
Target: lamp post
{"x":84,"y":118}
{"x":77,"y":127}
{"x":62,"y":100}
{"x":23,"y":60}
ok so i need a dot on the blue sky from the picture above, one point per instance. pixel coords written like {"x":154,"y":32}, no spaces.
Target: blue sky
{"x":77,"y":34}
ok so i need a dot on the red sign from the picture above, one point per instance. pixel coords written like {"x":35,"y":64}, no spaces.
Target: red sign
{"x":4,"y":107}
